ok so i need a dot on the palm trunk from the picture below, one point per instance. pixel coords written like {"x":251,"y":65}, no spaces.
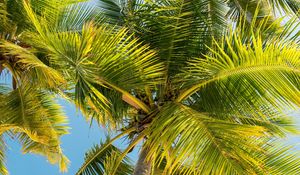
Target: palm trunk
{"x":14,"y":83}
{"x":142,"y":167}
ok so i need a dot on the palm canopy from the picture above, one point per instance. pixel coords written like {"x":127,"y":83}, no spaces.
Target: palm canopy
{"x":169,"y":74}
{"x":59,"y":52}
{"x":30,"y":113}
{"x":219,"y":107}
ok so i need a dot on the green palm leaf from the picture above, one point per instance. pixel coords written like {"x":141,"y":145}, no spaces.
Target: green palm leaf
{"x":105,"y":162}
{"x":114,"y":10}
{"x":98,"y":56}
{"x":196,"y":140}
{"x":73,"y":17}
{"x":179,"y":29}
{"x":239,"y":8}
{"x":29,"y":66}
{"x":3,"y":169}
{"x":37,"y":121}
{"x":251,"y":62}
{"x":283,"y":159}
{"x":222,"y":105}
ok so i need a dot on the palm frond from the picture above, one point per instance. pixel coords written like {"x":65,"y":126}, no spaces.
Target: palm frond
{"x":3,"y":169}
{"x":272,"y":8}
{"x":23,"y":63}
{"x":73,"y":17}
{"x":92,"y":158}
{"x":51,"y":10}
{"x":289,"y":7}
{"x":278,"y":159}
{"x":119,"y":111}
{"x":179,"y":29}
{"x":99,"y":56}
{"x":246,"y":9}
{"x":37,"y":120}
{"x":15,"y":20}
{"x":282,"y":159}
{"x":204,"y":144}
{"x":104,"y":163}
{"x":270,"y":68}
{"x":4,"y":18}
{"x":51,"y":150}
{"x":114,"y":10}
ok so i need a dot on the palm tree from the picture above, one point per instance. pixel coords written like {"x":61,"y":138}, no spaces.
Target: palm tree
{"x":50,"y":50}
{"x":161,"y":74}
{"x":217,"y":106}
{"x":29,"y":110}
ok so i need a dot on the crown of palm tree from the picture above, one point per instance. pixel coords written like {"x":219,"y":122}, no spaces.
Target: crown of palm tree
{"x":220,"y":107}
{"x":202,"y":98}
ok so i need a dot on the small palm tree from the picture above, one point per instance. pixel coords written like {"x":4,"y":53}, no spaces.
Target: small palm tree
{"x":218,"y":104}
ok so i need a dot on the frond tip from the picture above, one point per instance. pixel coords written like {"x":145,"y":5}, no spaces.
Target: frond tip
{"x":37,"y":121}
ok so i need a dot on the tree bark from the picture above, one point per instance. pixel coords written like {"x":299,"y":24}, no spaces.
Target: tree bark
{"x":142,"y":167}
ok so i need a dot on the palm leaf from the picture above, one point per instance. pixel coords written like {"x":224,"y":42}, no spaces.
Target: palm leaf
{"x":179,"y":29}
{"x":95,"y":158}
{"x":204,"y":144}
{"x":287,"y":6}
{"x":98,"y":56}
{"x":114,"y":10}
{"x":28,"y":65}
{"x":282,"y":159}
{"x":239,"y":8}
{"x":4,"y":18}
{"x":3,"y":169}
{"x":105,"y":162}
{"x":73,"y":17}
{"x":15,"y":20}
{"x":37,"y":120}
{"x":253,"y":63}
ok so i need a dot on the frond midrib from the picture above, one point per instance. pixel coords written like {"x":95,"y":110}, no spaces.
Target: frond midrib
{"x":235,"y":71}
